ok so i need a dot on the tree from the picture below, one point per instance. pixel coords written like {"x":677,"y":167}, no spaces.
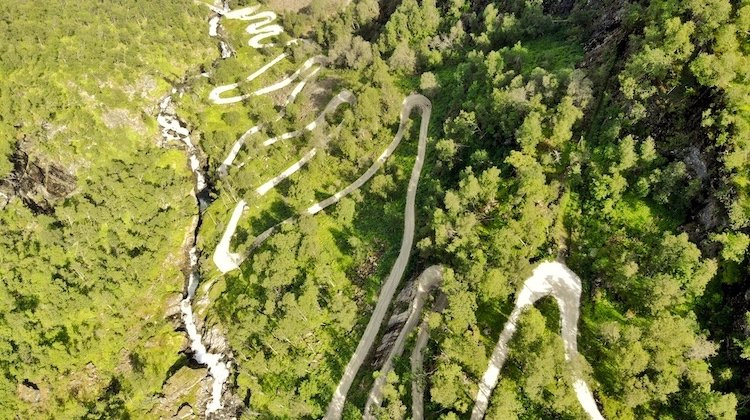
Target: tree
{"x":366,"y":11}
{"x":403,"y":58}
{"x":428,"y":83}
{"x":345,"y":211}
{"x":446,"y":150}
{"x":382,"y":185}
{"x":507,"y":404}
{"x":359,"y":54}
{"x":733,"y":244}
{"x":449,"y":388}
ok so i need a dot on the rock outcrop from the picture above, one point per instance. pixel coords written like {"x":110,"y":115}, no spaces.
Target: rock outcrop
{"x":558,"y":7}
{"x":39,"y":183}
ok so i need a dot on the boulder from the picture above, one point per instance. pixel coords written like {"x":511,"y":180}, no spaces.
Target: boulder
{"x":215,"y":341}
{"x":173,"y":314}
{"x":694,"y":161}
{"x":29,"y":392}
{"x":183,"y":391}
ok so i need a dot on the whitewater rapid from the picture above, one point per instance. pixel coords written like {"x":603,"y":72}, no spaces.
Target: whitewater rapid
{"x":216,"y":368}
{"x":174,"y":129}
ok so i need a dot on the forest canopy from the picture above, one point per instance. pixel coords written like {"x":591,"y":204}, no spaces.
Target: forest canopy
{"x":611,"y":136}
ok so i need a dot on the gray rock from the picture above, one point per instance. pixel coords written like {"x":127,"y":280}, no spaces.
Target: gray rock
{"x":187,"y":387}
{"x":173,"y":312}
{"x":558,"y":7}
{"x":4,"y":200}
{"x":120,"y":117}
{"x":695,"y":163}
{"x":185,"y":412}
{"x":29,"y":392}
{"x":40,"y":184}
{"x":709,"y":216}
{"x":215,"y":341}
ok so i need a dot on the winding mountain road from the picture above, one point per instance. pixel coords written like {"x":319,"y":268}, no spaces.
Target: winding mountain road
{"x":227,"y":261}
{"x":237,"y":146}
{"x":224,"y":259}
{"x":417,"y":371}
{"x":430,"y":278}
{"x":397,"y":271}
{"x":259,"y":31}
{"x":309,"y":68}
{"x":548,"y":279}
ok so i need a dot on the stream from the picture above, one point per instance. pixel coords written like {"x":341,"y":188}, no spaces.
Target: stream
{"x":173,"y":129}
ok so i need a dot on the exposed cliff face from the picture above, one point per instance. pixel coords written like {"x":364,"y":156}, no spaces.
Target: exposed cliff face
{"x":608,"y":28}
{"x":39,"y":183}
{"x":607,"y":34}
{"x":558,"y":7}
